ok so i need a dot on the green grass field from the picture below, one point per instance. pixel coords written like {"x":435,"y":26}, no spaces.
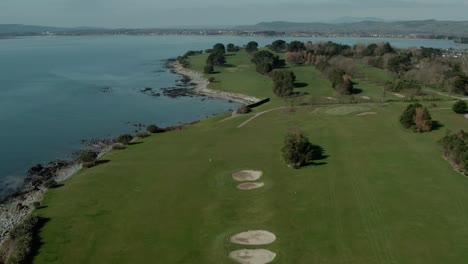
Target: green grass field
{"x":383,"y":195}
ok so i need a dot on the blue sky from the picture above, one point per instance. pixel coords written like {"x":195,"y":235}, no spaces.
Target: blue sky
{"x":175,"y":13}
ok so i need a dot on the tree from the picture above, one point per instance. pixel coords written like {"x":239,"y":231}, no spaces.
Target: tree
{"x":283,"y":83}
{"x":219,"y":47}
{"x":244,"y":109}
{"x":400,"y":64}
{"x":265,"y":61}
{"x":295,"y":57}
{"x":298,"y":151}
{"x":346,"y":87}
{"x":296,"y":46}
{"x":370,"y":50}
{"x":460,"y":107}
{"x":278,"y":45}
{"x":124,"y":139}
{"x":88,"y":156}
{"x":208,"y":69}
{"x":455,"y":147}
{"x":216,"y":59}
{"x":232,"y":48}
{"x":416,"y":117}
{"x":251,"y":47}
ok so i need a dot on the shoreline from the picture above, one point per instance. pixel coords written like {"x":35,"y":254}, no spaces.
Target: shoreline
{"x":17,"y":206}
{"x":201,"y":87}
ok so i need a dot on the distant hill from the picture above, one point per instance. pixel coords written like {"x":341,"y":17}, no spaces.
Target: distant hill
{"x":423,"y":27}
{"x":22,"y":29}
{"x":355,"y":19}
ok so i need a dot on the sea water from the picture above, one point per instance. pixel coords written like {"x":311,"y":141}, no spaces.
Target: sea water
{"x":57,"y":91}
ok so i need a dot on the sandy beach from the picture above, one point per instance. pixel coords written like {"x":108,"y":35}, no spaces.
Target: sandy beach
{"x":201,"y":87}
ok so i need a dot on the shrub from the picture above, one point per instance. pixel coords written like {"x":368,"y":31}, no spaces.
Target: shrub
{"x":50,"y":184}
{"x":124,"y":139}
{"x":142,"y":135}
{"x":298,"y":151}
{"x":88,"y":156}
{"x":118,"y":146}
{"x":36,"y":205}
{"x":211,"y":79}
{"x":460,"y":107}
{"x":244,"y":109}
{"x":22,"y":238}
{"x":455,"y":147}
{"x":416,"y":117}
{"x":208,"y":69}
{"x":152,"y":129}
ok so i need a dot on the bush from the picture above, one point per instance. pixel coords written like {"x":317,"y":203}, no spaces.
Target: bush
{"x":455,"y":147}
{"x":152,"y":129}
{"x":50,"y":184}
{"x":211,"y":79}
{"x":460,"y":107}
{"x":208,"y":69}
{"x":22,"y":238}
{"x":244,"y":109}
{"x":298,"y":151}
{"x":142,"y":135}
{"x":416,"y":117}
{"x":88,"y":156}
{"x":118,"y":146}
{"x":124,"y":139}
{"x":36,"y":205}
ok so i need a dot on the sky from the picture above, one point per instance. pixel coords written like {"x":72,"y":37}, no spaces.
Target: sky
{"x":184,"y":13}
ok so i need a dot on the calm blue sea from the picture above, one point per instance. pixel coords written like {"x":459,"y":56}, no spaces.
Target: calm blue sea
{"x":56,"y":91}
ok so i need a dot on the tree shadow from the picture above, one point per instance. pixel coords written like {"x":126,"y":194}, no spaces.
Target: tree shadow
{"x":42,"y":207}
{"x":100,"y":162}
{"x":37,"y":242}
{"x":357,"y":91}
{"x":436,"y":125}
{"x":135,"y":143}
{"x":229,"y":54}
{"x":56,"y":186}
{"x":229,"y":65}
{"x":300,"y":84}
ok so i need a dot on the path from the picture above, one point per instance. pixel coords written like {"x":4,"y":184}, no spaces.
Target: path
{"x":259,"y":114}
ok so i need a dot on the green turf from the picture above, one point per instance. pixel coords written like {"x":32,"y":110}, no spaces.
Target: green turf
{"x":383,"y":195}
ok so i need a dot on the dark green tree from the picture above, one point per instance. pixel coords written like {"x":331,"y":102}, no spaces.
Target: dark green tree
{"x":283,"y":83}
{"x":278,"y":45}
{"x":152,"y":129}
{"x":88,"y":156}
{"x":298,"y":151}
{"x":416,"y":117}
{"x":296,"y":46}
{"x":251,"y":47}
{"x":219,"y":47}
{"x":265,"y":61}
{"x":400,"y":63}
{"x":232,"y":48}
{"x":216,"y":59}
{"x":460,"y":107}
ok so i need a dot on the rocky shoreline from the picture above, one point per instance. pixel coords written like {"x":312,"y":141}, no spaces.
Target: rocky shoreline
{"x":16,"y":206}
{"x":200,"y":85}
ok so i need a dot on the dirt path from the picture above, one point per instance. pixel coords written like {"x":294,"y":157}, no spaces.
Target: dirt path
{"x":259,"y":114}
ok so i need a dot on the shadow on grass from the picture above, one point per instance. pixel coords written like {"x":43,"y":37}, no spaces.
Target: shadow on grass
{"x":37,"y":243}
{"x":300,"y":84}
{"x":42,"y":207}
{"x":134,"y":143}
{"x":56,"y":186}
{"x":436,"y":125}
{"x":100,"y":162}
{"x":229,"y":65}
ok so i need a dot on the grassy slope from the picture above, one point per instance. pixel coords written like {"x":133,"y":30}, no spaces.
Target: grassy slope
{"x":384,"y":196}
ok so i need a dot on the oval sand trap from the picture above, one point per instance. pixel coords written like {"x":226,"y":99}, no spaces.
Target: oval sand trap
{"x":247,"y":175}
{"x":250,"y":185}
{"x":252,"y":256}
{"x":254,"y":238}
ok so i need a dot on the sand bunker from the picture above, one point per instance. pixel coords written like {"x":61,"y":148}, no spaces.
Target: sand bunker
{"x":399,"y":95}
{"x":365,"y":97}
{"x":367,"y":113}
{"x":250,"y":185}
{"x":247,"y":175}
{"x":254,"y":237}
{"x":466,"y":116}
{"x":255,"y":256}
